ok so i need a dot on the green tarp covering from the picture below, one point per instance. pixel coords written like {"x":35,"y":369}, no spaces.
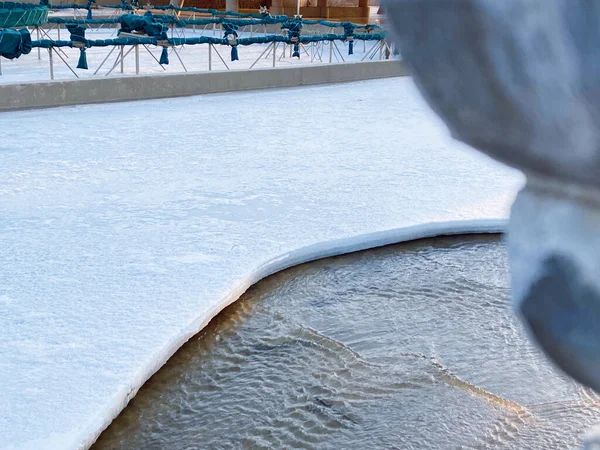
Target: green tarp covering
{"x":15,"y":15}
{"x":14,"y":43}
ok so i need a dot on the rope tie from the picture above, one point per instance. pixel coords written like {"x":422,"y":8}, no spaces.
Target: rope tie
{"x":79,"y":41}
{"x":164,"y":54}
{"x":293,"y":34}
{"x":349,"y":36}
{"x":89,"y":9}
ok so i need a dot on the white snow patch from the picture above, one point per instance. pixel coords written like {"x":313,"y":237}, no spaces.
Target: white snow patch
{"x":124,"y":228}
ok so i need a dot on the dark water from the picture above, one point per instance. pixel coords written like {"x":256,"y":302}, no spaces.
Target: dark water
{"x":409,"y":346}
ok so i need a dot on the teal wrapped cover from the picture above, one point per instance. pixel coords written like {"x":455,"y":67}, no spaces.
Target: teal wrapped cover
{"x":14,"y":15}
{"x":14,"y":43}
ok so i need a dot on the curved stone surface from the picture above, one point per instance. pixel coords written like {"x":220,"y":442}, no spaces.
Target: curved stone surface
{"x":125,"y":227}
{"x":515,"y":78}
{"x":555,"y":266}
{"x":518,"y":79}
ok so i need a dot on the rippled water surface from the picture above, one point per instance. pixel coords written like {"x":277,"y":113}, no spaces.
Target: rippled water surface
{"x":409,"y":346}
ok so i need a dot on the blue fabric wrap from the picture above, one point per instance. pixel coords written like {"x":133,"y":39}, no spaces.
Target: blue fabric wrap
{"x":14,"y":43}
{"x":164,"y":56}
{"x":82,"y":62}
{"x":294,"y":27}
{"x":89,"y":8}
{"x":349,"y":35}
{"x":46,"y":43}
{"x":230,"y":29}
{"x":78,"y":35}
{"x":349,"y":28}
{"x":143,"y":24}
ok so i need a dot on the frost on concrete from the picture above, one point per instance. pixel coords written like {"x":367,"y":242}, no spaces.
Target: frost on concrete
{"x":125,"y":227}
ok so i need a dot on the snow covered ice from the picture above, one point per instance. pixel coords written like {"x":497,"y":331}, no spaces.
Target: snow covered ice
{"x":125,"y":227}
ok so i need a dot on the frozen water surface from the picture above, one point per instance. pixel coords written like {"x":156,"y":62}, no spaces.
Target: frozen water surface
{"x":125,"y":227}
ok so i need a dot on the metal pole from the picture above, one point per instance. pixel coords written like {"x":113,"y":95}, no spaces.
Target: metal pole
{"x":0,"y":66}
{"x":298,"y":7}
{"x":258,"y":59}
{"x":51,"y":64}
{"x":179,"y":58}
{"x":221,"y":58}
{"x":274,"y":53}
{"x":137,"y":59}
{"x":122,"y":60}
{"x":102,"y":63}
{"x":117,"y":60}
{"x":155,"y":58}
{"x":338,"y":52}
{"x":37,"y":29}
{"x":65,"y":61}
{"x":50,"y":39}
{"x":58,"y":28}
{"x":209,"y":57}
{"x":330,"y":52}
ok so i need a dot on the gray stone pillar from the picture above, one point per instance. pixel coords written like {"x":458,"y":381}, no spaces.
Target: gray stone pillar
{"x":232,"y":5}
{"x":520,"y":81}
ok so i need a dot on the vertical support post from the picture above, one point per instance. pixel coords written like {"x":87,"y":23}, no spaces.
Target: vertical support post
{"x":137,"y":59}
{"x":0,"y":65}
{"x":297,"y":7}
{"x":330,"y":52}
{"x":194,"y":18}
{"x":209,"y":57}
{"x":381,"y":49}
{"x":58,"y":28}
{"x":51,"y":60}
{"x":37,"y":29}
{"x":122,"y":63}
{"x":232,"y":5}
{"x":274,"y":53}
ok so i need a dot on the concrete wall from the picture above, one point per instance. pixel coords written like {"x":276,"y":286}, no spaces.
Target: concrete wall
{"x":142,"y":87}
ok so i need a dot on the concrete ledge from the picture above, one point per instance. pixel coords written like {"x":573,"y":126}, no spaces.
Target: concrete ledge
{"x":144,"y":87}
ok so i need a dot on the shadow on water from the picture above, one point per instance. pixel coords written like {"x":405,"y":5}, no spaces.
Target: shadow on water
{"x":408,"y":346}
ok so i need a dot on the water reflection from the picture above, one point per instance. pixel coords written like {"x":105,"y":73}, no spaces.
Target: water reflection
{"x":409,"y":346}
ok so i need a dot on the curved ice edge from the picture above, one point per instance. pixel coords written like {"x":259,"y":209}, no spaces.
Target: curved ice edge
{"x":285,"y":261}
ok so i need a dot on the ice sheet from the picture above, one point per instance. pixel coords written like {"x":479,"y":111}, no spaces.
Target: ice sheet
{"x":125,"y":227}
